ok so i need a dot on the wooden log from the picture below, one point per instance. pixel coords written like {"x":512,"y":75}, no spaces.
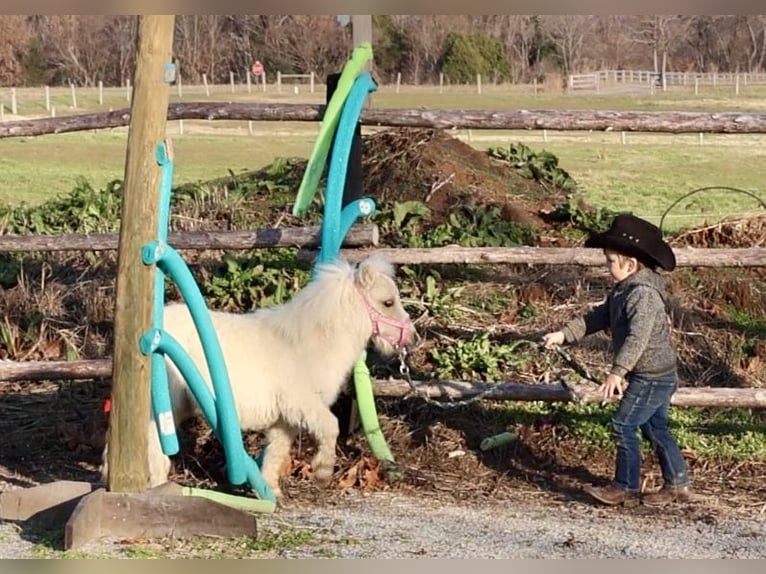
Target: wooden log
{"x":599,"y":120}
{"x":585,"y":257}
{"x":721,"y":397}
{"x":360,"y":235}
{"x":131,"y":405}
{"x":85,"y":369}
{"x":716,"y":397}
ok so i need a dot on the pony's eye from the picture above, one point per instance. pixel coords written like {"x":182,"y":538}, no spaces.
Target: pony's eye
{"x":388,"y":303}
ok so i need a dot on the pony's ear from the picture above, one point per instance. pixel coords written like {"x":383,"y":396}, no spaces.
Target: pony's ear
{"x":368,"y":268}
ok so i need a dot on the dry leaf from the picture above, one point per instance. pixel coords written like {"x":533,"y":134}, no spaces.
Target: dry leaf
{"x":349,"y":477}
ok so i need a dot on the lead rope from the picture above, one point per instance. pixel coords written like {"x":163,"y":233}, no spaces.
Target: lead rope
{"x":582,"y":372}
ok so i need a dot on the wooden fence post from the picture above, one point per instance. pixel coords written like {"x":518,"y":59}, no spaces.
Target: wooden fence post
{"x":128,"y":462}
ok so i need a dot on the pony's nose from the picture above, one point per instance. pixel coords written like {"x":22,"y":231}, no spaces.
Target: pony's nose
{"x":410,"y":335}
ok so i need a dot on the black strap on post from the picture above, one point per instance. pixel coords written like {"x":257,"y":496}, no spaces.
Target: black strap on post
{"x":353,"y":186}
{"x":344,"y":408}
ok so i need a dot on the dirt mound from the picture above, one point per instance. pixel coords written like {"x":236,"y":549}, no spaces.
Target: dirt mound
{"x":431,"y":166}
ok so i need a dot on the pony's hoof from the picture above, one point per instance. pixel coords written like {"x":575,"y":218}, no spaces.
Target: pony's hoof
{"x":323,"y":476}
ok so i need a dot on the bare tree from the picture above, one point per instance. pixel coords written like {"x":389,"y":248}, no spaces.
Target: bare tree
{"x":16,"y":35}
{"x":85,"y":49}
{"x":122,"y":30}
{"x":660,"y":33}
{"x":78,"y":48}
{"x":315,"y":43}
{"x":428,"y":34}
{"x":519,"y":37}
{"x":611,"y":46}
{"x":569,"y":34}
{"x":756,"y":48}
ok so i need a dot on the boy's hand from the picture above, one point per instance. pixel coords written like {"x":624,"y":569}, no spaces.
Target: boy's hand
{"x":611,"y":388}
{"x":550,"y":340}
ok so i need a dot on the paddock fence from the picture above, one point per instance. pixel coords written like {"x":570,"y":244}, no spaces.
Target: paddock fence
{"x":651,"y":80}
{"x":363,"y":239}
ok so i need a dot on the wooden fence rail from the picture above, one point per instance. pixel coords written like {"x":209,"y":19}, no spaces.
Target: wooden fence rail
{"x":628,"y":121}
{"x":436,"y":390}
{"x":585,"y":257}
{"x":360,"y":235}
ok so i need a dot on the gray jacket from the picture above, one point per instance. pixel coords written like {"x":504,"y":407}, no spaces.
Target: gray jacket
{"x":635,"y":313}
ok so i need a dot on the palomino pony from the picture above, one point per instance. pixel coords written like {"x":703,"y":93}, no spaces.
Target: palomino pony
{"x":287,"y":364}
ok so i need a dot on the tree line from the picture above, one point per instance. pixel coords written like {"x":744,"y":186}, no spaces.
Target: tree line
{"x":86,"y":49}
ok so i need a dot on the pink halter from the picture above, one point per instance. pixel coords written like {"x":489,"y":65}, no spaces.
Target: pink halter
{"x":376,"y":317}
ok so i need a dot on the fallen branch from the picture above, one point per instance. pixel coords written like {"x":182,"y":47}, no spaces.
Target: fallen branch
{"x":437,"y":390}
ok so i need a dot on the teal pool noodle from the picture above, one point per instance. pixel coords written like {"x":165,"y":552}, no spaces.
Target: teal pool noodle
{"x":231,"y":436}
{"x":168,"y":345}
{"x":162,"y":406}
{"x":162,"y":409}
{"x":351,"y":69}
{"x":331,"y":238}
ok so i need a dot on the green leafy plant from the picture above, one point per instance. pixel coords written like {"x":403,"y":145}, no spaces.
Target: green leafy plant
{"x":477,"y":228}
{"x":256,"y":280}
{"x":476,"y":358}
{"x":583,"y":216}
{"x":542,"y":166}
{"x":425,"y":291}
{"x":83,"y":210}
{"x":469,"y":227}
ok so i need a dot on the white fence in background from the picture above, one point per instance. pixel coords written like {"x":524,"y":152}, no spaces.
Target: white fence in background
{"x":654,"y":80}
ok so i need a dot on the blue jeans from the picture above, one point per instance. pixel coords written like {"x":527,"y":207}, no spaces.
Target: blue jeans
{"x":644,"y":406}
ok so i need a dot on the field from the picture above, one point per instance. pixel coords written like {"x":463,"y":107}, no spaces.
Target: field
{"x":644,"y":174}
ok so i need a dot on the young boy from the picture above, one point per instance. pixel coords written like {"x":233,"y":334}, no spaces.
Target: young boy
{"x":635,"y":315}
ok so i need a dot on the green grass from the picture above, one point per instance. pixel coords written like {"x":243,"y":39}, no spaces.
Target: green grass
{"x":735,"y":434}
{"x":645,"y":174}
{"x":270,"y":542}
{"x":36,"y":169}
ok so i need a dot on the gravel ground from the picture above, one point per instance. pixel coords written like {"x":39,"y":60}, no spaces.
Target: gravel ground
{"x":394,"y":525}
{"x":386,"y":526}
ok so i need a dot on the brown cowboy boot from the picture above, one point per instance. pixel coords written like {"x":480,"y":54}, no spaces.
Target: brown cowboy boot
{"x":612,"y":495}
{"x":667,"y":495}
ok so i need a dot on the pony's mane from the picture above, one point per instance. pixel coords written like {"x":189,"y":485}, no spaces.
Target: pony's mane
{"x":331,"y":292}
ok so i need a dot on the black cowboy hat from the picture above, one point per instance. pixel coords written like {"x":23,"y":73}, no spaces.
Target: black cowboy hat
{"x":635,"y":237}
